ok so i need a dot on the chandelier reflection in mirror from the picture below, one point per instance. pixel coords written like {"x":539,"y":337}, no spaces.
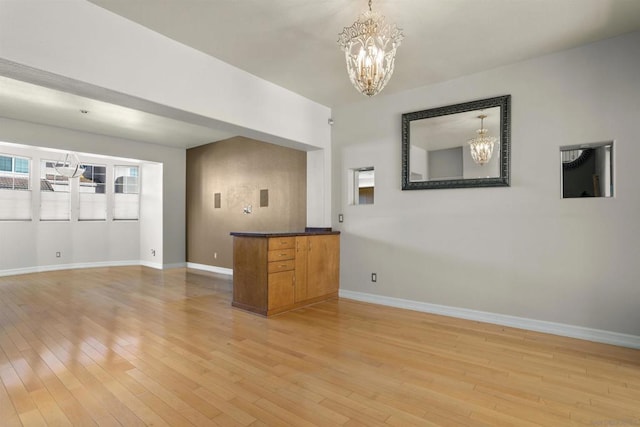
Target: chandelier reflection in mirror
{"x":369,"y":46}
{"x":482,"y":145}
{"x":69,"y":166}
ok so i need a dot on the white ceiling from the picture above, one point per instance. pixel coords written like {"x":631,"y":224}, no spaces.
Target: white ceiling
{"x":37,"y":104}
{"x":293,"y":44}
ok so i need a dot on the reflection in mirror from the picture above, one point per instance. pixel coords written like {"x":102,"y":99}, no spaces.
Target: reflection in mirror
{"x":440,"y":146}
{"x":364,"y":183}
{"x":463,"y":145}
{"x":587,"y":170}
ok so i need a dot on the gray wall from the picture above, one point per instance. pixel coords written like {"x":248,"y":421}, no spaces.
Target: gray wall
{"x":521,"y":250}
{"x":238,"y":168}
{"x":446,"y":163}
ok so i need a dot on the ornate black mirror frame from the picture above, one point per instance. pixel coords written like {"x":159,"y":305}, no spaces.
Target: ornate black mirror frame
{"x":504,"y":102}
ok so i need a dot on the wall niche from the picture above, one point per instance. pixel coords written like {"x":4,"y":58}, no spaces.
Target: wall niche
{"x":237,"y":170}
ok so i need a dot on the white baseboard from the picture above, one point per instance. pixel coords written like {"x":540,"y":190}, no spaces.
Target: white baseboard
{"x":45,"y":268}
{"x":579,"y":332}
{"x":57,"y":267}
{"x":156,"y":265}
{"x":210,"y":268}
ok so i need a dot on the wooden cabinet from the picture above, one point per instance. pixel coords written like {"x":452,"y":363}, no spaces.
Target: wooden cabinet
{"x":323,"y":270}
{"x":272,"y":274}
{"x":281,"y":276}
{"x":317,"y":266}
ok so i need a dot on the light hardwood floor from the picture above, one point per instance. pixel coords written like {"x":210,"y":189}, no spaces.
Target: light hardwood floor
{"x":134,"y":346}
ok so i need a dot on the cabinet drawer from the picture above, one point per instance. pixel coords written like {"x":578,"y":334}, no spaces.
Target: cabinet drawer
{"x":281,"y":255}
{"x":276,"y":243}
{"x":276,"y":266}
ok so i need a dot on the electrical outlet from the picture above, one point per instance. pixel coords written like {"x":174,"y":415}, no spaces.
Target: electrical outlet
{"x":58,"y":254}
{"x":340,"y":218}
{"x":215,"y":255}
{"x":153,"y":252}
{"x":374,"y":277}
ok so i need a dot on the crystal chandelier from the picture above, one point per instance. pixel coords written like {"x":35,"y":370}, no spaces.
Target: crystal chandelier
{"x":369,"y":47}
{"x":69,"y":166}
{"x":482,"y":145}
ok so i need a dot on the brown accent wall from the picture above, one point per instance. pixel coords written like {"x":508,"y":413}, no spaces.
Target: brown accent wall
{"x":238,"y":168}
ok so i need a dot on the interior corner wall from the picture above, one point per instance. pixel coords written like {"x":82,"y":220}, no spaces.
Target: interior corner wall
{"x":172,"y":225}
{"x":519,"y":250}
{"x":238,"y":169}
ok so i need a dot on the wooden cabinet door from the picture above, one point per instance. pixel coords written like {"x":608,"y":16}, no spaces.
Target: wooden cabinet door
{"x":281,"y":290}
{"x":302,"y":243}
{"x":323,"y":265}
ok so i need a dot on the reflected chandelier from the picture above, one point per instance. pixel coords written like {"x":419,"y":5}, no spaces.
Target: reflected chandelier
{"x":482,"y":145}
{"x":369,"y":46}
{"x":69,"y":166}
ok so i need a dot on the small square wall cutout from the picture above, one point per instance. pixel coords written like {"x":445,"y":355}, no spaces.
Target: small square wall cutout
{"x":216,"y":200}
{"x":587,"y":170}
{"x":264,"y":198}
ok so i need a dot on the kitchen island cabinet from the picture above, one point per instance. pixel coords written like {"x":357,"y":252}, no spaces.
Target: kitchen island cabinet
{"x":277,"y":272}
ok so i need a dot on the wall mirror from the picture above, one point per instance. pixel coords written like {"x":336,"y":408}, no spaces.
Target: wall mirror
{"x":457,"y":146}
{"x":587,"y":170}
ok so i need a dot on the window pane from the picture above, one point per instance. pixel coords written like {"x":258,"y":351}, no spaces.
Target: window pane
{"x":54,"y":193}
{"x":14,"y":175}
{"x":126,"y":188}
{"x":6,"y":182}
{"x":5,"y":164}
{"x":93,"y":180}
{"x":92,"y":197}
{"x":22,"y":165}
{"x":126,"y":180}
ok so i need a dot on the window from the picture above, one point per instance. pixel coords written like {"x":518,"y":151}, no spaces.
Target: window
{"x":127,"y":192}
{"x":92,"y":193}
{"x":15,"y":179}
{"x":14,"y":173}
{"x":54,"y":193}
{"x":6,"y":164}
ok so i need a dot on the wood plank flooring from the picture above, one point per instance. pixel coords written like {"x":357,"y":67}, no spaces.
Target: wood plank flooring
{"x":133,"y":346}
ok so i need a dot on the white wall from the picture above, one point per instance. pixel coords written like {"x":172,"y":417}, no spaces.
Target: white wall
{"x":123,"y":238}
{"x":517,"y":251}
{"x":151,"y":215}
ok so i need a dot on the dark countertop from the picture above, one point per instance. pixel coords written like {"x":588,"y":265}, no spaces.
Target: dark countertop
{"x":307,"y":232}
